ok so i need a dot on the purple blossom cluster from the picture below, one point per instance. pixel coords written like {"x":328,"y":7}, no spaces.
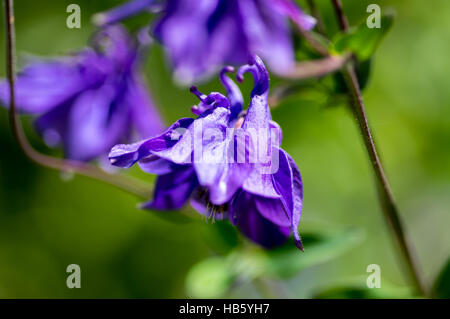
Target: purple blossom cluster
{"x":264,"y":202}
{"x":227,"y":162}
{"x":91,"y":100}
{"x":203,"y":35}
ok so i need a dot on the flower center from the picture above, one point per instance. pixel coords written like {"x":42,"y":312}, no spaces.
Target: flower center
{"x":240,"y":119}
{"x":212,"y":210}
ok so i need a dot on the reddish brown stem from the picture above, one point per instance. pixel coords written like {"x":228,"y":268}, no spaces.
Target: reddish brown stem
{"x":389,"y":206}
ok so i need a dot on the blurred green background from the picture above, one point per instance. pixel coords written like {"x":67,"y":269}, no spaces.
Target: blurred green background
{"x":47,"y":222}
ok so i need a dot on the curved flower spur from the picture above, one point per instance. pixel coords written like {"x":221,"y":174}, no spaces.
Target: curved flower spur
{"x":227,"y":162}
{"x":89,"y":101}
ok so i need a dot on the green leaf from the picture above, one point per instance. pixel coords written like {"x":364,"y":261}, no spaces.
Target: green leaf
{"x":287,"y":261}
{"x":363,"y":41}
{"x":363,"y":70}
{"x":441,"y":288}
{"x":211,"y":278}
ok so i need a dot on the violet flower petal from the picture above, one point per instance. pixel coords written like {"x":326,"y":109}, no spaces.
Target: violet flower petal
{"x":260,"y":76}
{"x":142,"y":108}
{"x":42,"y":85}
{"x":173,"y":190}
{"x":188,"y":53}
{"x":253,"y":225}
{"x":297,"y":15}
{"x":276,"y":135}
{"x":267,"y":32}
{"x":233,"y":92}
{"x":153,"y":164}
{"x":257,"y":125}
{"x":288,"y":182}
{"x":92,"y":129}
{"x":189,"y":145}
{"x":126,"y":155}
{"x":260,"y":184}
{"x":273,"y":210}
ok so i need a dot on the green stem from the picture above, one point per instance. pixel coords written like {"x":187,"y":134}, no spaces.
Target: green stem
{"x":343,"y":23}
{"x":122,"y":182}
{"x":389,"y":206}
{"x":387,"y":198}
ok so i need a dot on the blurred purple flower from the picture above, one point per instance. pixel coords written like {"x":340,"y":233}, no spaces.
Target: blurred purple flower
{"x":208,"y":161}
{"x":126,"y":10}
{"x":91,"y":100}
{"x":202,"y":35}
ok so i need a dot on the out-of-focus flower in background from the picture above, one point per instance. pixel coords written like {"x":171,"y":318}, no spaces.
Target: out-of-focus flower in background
{"x":91,"y":100}
{"x":208,"y":161}
{"x":200,"y":36}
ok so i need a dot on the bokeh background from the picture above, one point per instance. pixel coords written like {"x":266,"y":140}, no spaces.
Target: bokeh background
{"x":48,"y":221}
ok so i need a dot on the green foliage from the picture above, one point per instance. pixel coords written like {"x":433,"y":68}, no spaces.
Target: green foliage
{"x":363,"y":70}
{"x":363,"y":41}
{"x":286,"y":261}
{"x":213,"y":277}
{"x":210,"y":278}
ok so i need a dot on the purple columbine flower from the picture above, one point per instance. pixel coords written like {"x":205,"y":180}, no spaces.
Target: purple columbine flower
{"x":89,"y":101}
{"x":227,"y":162}
{"x":201,"y":35}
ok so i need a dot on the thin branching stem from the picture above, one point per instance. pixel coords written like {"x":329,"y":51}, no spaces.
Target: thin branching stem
{"x":125,"y":183}
{"x":388,"y":204}
{"x":318,"y":67}
{"x":342,"y":19}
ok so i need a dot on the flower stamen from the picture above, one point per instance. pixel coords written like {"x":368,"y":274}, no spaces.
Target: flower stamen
{"x":197,"y":93}
{"x":212,"y":210}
